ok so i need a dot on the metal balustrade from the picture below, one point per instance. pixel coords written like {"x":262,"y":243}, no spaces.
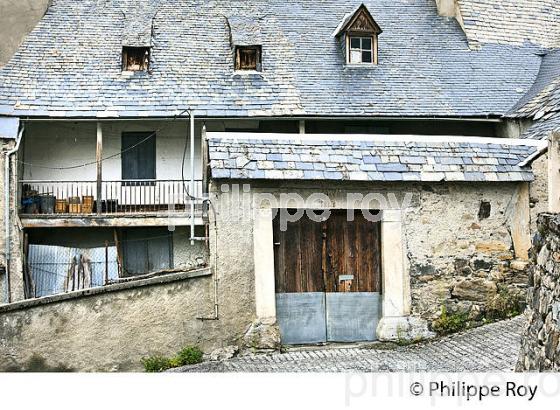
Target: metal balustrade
{"x":42,"y":197}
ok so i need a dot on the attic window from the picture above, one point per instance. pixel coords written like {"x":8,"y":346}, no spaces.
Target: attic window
{"x":135,"y":58}
{"x":359,"y":33}
{"x":361,"y":50}
{"x":248,"y":58}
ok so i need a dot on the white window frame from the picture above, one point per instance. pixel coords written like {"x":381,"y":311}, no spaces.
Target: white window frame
{"x":372,"y":49}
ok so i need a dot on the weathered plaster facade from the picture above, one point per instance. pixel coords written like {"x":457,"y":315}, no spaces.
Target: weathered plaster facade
{"x":112,"y":328}
{"x":539,"y":190}
{"x":448,"y":248}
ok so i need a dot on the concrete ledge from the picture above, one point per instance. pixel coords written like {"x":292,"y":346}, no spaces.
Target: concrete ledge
{"x":157,"y":280}
{"x":109,"y":220}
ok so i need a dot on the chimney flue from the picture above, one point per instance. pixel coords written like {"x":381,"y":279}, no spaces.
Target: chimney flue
{"x":447,"y":8}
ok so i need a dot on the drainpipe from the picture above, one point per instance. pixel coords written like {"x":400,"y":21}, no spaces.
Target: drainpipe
{"x":7,"y":156}
{"x":193,"y":195}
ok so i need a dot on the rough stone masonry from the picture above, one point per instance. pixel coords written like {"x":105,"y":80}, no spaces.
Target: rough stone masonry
{"x":540,"y":350}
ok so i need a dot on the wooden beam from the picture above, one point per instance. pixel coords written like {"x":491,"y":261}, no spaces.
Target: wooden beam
{"x":54,"y":221}
{"x":98,"y":159}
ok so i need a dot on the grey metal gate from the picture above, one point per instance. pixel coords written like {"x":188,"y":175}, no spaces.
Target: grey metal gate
{"x":318,"y":317}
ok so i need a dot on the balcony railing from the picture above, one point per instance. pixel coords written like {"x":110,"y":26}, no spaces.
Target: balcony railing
{"x":117,"y":197}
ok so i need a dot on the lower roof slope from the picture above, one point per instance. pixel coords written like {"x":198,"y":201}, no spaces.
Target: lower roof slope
{"x":70,"y":65}
{"x":542,"y":102}
{"x":369,"y":158}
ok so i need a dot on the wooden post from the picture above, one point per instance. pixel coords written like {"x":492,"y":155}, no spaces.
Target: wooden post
{"x":554,"y":173}
{"x":106,"y":262}
{"x":98,"y":159}
{"x":302,"y":126}
{"x":119,"y":255}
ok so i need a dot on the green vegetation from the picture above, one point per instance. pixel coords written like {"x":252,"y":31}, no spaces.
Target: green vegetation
{"x":187,"y":356}
{"x":154,"y":364}
{"x":504,"y":305}
{"x":450,"y":323}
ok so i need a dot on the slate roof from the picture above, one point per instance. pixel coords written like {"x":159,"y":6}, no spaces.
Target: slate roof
{"x":544,"y":127}
{"x":373,"y":158}
{"x":512,"y":21}
{"x":70,"y":65}
{"x":542,"y":102}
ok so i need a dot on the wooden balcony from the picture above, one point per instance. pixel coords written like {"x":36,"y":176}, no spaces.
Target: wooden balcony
{"x":45,"y":203}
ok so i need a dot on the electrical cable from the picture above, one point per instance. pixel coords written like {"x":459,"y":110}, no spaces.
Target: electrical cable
{"x":86,"y":164}
{"x":186,"y":191}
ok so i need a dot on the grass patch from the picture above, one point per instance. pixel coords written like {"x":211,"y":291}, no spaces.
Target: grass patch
{"x":187,"y":356}
{"x":450,"y":323}
{"x":504,"y":305}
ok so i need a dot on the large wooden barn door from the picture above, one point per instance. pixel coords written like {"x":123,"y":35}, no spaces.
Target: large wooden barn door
{"x":300,"y":285}
{"x":328,"y":279}
{"x":353,"y":277}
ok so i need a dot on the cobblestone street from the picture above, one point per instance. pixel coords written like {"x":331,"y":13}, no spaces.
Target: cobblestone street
{"x":494,"y":347}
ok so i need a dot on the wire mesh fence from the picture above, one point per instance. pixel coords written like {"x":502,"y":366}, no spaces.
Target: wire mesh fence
{"x":56,"y":269}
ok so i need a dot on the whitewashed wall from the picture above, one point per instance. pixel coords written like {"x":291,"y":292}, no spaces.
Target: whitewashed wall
{"x":64,"y":144}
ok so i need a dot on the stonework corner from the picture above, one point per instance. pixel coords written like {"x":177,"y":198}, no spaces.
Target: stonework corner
{"x":403,"y":329}
{"x":262,"y":335}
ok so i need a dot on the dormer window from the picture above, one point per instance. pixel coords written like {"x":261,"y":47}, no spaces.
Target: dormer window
{"x":248,"y":58}
{"x":136,"y":58}
{"x":359,"y":33}
{"x":361,"y":50}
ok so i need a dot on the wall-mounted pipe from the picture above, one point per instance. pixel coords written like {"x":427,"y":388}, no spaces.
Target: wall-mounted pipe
{"x":193,"y":195}
{"x":7,"y":158}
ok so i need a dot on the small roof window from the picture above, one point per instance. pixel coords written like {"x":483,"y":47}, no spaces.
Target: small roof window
{"x":136,"y":58}
{"x":248,"y":58}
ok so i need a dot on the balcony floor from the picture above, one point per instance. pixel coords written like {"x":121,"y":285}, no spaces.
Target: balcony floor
{"x":110,"y":220}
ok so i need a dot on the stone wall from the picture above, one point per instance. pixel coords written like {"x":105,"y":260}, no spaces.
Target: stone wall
{"x":459,"y":258}
{"x":456,"y":257}
{"x":112,"y":328}
{"x":540,"y":348}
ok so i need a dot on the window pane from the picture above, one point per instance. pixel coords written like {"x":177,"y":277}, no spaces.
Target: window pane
{"x":366,"y":57}
{"x":366,"y":43}
{"x":355,"y":56}
{"x":355,"y":42}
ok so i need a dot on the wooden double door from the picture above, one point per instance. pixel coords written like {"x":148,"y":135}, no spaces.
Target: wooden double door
{"x":328,"y":277}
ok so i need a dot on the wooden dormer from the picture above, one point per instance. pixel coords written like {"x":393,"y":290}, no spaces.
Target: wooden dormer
{"x":359,"y":34}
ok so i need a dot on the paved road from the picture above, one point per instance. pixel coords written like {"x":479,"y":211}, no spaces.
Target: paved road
{"x":489,"y":348}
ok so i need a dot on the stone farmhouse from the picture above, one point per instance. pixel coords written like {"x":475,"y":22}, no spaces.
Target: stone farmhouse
{"x":268,"y":172}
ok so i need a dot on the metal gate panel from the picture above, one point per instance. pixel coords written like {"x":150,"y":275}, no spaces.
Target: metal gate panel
{"x":352,"y":317}
{"x":301,"y":317}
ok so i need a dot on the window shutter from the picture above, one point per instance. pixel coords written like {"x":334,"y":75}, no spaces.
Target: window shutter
{"x":147,"y":250}
{"x":138,"y":162}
